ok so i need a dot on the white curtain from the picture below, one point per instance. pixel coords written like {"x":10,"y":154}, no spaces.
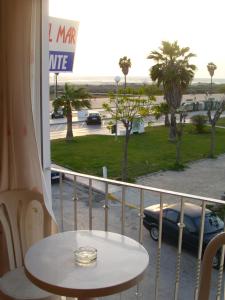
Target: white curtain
{"x":20,"y":166}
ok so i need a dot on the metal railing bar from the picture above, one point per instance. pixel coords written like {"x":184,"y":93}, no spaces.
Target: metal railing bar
{"x":106,"y":205}
{"x":201,"y":235}
{"x":75,"y":202}
{"x":158,"y":261}
{"x":179,"y":251}
{"x":61,"y":201}
{"x":90,"y":203}
{"x":147,"y":188}
{"x":123,"y":211}
{"x":141,"y":215}
{"x":138,"y":292}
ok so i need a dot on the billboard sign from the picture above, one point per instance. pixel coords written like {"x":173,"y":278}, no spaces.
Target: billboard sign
{"x":62,"y":36}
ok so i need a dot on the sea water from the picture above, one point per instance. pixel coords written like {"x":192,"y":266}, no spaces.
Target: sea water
{"x":100,"y":80}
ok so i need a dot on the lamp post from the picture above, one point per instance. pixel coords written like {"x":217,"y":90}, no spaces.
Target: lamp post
{"x":145,"y":82}
{"x":56,"y":85}
{"x":117,"y":80}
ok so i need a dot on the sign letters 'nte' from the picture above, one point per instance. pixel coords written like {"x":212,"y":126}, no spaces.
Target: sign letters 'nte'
{"x":62,"y":36}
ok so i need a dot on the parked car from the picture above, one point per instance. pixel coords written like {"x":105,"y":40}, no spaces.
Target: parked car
{"x":192,"y":221}
{"x":94,"y":118}
{"x":188,"y":106}
{"x":56,"y":114}
{"x":55,"y":177}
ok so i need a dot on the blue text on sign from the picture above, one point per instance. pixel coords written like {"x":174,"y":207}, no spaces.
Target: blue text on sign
{"x":60,"y":61}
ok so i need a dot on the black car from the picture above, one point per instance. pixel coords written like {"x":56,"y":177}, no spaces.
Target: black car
{"x":94,"y":118}
{"x":56,"y":114}
{"x":192,"y":220}
{"x":55,"y":177}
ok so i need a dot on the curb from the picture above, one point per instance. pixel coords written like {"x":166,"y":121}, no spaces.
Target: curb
{"x":110,"y":195}
{"x":113,"y":198}
{"x":75,"y":122}
{"x":70,"y":179}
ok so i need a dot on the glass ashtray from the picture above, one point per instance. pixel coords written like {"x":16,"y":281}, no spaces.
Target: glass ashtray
{"x":85,"y":255}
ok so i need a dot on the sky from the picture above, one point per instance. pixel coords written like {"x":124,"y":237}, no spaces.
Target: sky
{"x":109,"y":30}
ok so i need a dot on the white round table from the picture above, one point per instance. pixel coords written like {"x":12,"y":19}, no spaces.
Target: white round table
{"x":121,"y":263}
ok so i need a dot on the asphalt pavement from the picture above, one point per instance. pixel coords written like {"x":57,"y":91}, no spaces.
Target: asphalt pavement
{"x":58,"y":127}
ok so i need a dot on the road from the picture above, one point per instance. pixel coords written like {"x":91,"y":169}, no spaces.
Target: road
{"x":59,"y":130}
{"x":80,"y":128}
{"x":58,"y":126}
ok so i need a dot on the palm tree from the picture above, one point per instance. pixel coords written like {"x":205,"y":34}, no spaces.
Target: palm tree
{"x":174,"y":72}
{"x":160,"y":110}
{"x":71,"y":98}
{"x":125,"y":64}
{"x":211,"y":68}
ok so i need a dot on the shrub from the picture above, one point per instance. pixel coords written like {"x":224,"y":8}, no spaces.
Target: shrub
{"x":199,"y":122}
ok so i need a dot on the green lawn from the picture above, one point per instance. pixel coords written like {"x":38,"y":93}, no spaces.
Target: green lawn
{"x":221,"y":122}
{"x":148,"y":152}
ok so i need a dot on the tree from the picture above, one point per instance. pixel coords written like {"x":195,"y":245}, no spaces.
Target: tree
{"x":129,"y":107}
{"x":213,"y":120}
{"x":161,"y":109}
{"x":71,"y":98}
{"x":174,"y":72}
{"x":179,"y":134}
{"x":211,"y":69}
{"x":125,"y":64}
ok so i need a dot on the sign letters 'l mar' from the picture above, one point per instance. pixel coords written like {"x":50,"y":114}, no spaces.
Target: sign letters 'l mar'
{"x":62,"y":36}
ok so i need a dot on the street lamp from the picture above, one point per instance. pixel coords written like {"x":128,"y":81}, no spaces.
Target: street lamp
{"x":145,"y":82}
{"x":56,"y":85}
{"x":117,"y":80}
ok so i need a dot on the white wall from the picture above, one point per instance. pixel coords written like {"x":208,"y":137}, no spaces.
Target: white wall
{"x":40,"y":86}
{"x":46,"y":155}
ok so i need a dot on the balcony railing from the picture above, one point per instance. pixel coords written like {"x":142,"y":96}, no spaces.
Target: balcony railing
{"x":186,"y":279}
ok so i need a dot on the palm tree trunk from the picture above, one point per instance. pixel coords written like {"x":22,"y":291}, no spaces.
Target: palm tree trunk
{"x":125,"y":155}
{"x":211,"y":86}
{"x":125,"y":81}
{"x":69,"y":133}
{"x":167,"y":120}
{"x":213,"y":141}
{"x":173,"y":131}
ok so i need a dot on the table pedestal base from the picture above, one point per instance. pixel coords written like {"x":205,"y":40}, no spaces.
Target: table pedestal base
{"x":80,"y":298}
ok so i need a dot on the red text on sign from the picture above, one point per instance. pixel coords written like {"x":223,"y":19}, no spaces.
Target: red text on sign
{"x":66,"y":36}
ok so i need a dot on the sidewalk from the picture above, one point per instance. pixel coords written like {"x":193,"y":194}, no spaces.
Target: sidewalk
{"x":205,"y":177}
